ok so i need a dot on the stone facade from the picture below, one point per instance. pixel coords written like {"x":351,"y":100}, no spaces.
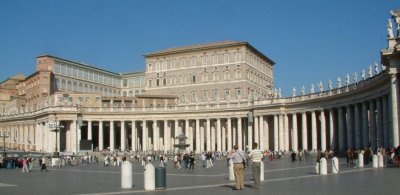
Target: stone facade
{"x":218,"y":95}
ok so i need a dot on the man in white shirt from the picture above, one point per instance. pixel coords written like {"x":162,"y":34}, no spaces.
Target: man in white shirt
{"x":256,"y":156}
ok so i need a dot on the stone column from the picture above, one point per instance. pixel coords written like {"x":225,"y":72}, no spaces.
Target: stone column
{"x":112,"y":138}
{"x":304,"y":139}
{"x":385,"y":124}
{"x":332,"y":142}
{"x":341,"y":124}
{"x":219,"y":140}
{"x":323,"y":131}
{"x":379,"y":133}
{"x":208,"y":134}
{"x":213,"y":135}
{"x":123,"y":136}
{"x":349,"y":122}
{"x":286,"y":132}
{"x":394,"y":99}
{"x":74,"y":136}
{"x":229,"y":133}
{"x":357,"y":126}
{"x":280,"y":118}
{"x":223,"y":129}
{"x":144,"y":136}
{"x":202,"y":136}
{"x":239,"y":134}
{"x":156,"y":137}
{"x":365,"y":134}
{"x":266,"y":134}
{"x":101,"y":141}
{"x":256,"y":132}
{"x":276,"y":134}
{"x":167,"y":136}
{"x":295,"y":146}
{"x":187,"y":130}
{"x":198,"y":138}
{"x":90,"y":130}
{"x":261,"y":130}
{"x":133,"y":135}
{"x":372,"y":124}
{"x":249,"y":135}
{"x":313,"y":131}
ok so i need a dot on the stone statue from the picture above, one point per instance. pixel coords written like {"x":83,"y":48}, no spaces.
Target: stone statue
{"x":347,"y":79}
{"x":363,"y":75}
{"x":396,"y":17}
{"x":376,"y":68}
{"x":383,"y":67}
{"x":280,"y":92}
{"x":321,"y":86}
{"x":303,"y":90}
{"x":275,"y":93}
{"x":339,"y":82}
{"x":370,"y":71}
{"x":293,"y":91}
{"x":355,"y":77}
{"x":312,"y":88}
{"x":390,"y":29}
{"x":330,"y":85}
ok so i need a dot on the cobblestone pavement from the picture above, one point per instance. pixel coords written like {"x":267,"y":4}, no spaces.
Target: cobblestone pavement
{"x":281,"y":177}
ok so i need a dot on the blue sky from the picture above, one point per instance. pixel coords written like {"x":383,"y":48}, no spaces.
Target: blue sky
{"x":310,"y":40}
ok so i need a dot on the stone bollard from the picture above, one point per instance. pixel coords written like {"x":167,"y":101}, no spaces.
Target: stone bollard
{"x":262,"y":171}
{"x":335,"y":165}
{"x":149,"y":177}
{"x":126,"y":175}
{"x":324,"y":166}
{"x":375,"y":161}
{"x":380,"y":160}
{"x":361,"y":160}
{"x":317,"y":168}
{"x":231,"y":173}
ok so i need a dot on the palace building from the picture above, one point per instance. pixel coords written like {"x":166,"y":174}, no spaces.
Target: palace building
{"x":218,"y":95}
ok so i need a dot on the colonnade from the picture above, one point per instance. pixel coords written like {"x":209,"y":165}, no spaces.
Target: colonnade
{"x":19,"y":136}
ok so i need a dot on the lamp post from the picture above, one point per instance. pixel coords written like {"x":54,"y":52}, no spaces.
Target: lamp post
{"x":55,"y":126}
{"x":4,"y":134}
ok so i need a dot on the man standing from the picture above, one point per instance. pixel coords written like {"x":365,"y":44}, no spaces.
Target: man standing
{"x":238,"y":167}
{"x":256,"y":156}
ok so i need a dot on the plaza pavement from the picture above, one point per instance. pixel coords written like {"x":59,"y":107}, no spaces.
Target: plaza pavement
{"x":281,"y":177}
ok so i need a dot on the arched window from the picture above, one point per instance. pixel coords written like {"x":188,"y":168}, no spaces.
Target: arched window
{"x":63,"y":85}
{"x":75,"y":87}
{"x":69,"y":86}
{"x":80,"y":88}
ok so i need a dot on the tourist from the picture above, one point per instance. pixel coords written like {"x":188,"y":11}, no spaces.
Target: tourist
{"x":256,"y":156}
{"x":238,"y":166}
{"x":25,"y":165}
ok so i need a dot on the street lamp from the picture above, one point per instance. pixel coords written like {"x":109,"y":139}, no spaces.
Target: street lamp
{"x":55,"y":126}
{"x":4,"y":134}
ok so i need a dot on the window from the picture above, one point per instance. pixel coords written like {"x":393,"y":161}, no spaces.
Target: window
{"x":158,"y":82}
{"x":164,"y":65}
{"x":193,"y":61}
{"x":204,"y":60}
{"x":194,"y":97}
{"x":149,"y":83}
{"x":80,"y":99}
{"x":237,"y":57}
{"x":87,"y":99}
{"x":57,"y":68}
{"x":226,"y":58}
{"x":173,"y":64}
{"x":149,"y":67}
{"x":183,"y":63}
{"x":125,"y":82}
{"x":238,"y":93}
{"x":183,"y":97}
{"x":158,"y":67}
{"x":193,"y":78}
{"x":215,"y":59}
{"x":215,"y":95}
{"x":226,"y":94}
{"x":97,"y":99}
{"x":226,"y":75}
{"x":164,"y":81}
{"x":205,"y":96}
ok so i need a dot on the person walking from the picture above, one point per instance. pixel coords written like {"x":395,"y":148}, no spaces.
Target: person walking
{"x":238,"y":166}
{"x":256,"y":156}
